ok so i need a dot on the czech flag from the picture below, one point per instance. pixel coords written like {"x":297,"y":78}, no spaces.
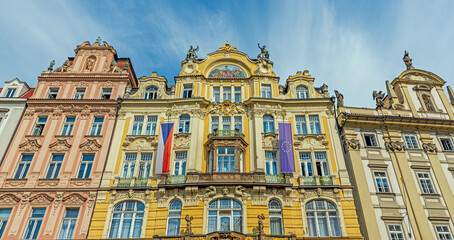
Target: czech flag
{"x":164,"y":148}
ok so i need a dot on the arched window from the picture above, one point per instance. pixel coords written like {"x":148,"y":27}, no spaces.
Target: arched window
{"x":127,"y":219}
{"x":151,"y":93}
{"x":322,"y":219}
{"x":268,"y":124}
{"x":275,"y":211}
{"x":225,"y":215}
{"x":173,"y":218}
{"x":302,"y":92}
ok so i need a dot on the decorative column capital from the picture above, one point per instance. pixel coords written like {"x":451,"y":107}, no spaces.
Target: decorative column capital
{"x":395,"y":146}
{"x":351,"y":143}
{"x":429,"y":147}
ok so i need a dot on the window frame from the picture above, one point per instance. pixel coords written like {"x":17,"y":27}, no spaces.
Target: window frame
{"x":122,"y":213}
{"x":151,"y":125}
{"x":68,"y":126}
{"x":221,"y":212}
{"x":377,"y":188}
{"x":275,"y":213}
{"x":174,"y":214}
{"x":374,"y":137}
{"x":104,"y":95}
{"x":4,"y":220}
{"x":38,"y":129}
{"x":52,"y":94}
{"x":10,"y":92}
{"x":315,"y":127}
{"x":271,"y":163}
{"x":87,"y":166}
{"x":181,"y":162}
{"x":395,"y":231}
{"x":137,"y":126}
{"x":151,"y":93}
{"x":443,"y":145}
{"x":185,"y":123}
{"x":27,"y":164}
{"x":237,"y":94}
{"x":268,"y":124}
{"x":319,"y":213}
{"x":444,"y":233}
{"x":302,"y":93}
{"x":307,"y":162}
{"x":227,"y":158}
{"x":96,"y":127}
{"x":34,"y":218}
{"x":53,"y":172}
{"x":427,"y":179}
{"x":79,"y":95}
{"x":411,"y":146}
{"x":68,"y":230}
{"x":129,"y":165}
{"x":187,"y":92}
{"x":145,"y":165}
{"x":301,"y":126}
{"x":264,"y":91}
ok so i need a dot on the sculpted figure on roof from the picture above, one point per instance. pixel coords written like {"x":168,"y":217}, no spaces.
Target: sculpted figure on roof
{"x":191,"y":52}
{"x":408,"y":61}
{"x":264,"y":53}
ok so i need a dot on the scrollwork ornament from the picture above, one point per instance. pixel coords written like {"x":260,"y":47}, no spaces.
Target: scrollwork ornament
{"x":351,"y":143}
{"x":429,"y":147}
{"x":395,"y":146}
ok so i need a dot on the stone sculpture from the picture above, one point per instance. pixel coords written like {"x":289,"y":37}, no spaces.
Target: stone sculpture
{"x":408,"y":61}
{"x":378,"y":97}
{"x":340,"y":99}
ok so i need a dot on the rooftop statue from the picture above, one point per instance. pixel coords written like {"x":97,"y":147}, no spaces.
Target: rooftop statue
{"x":264,"y":53}
{"x":408,"y":61}
{"x":340,"y":99}
{"x":63,"y":68}
{"x":191,"y":52}
{"x":378,"y":97}
{"x":98,"y":40}
{"x":51,"y":66}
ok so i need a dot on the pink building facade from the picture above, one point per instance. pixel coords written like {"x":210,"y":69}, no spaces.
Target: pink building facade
{"x":52,"y":169}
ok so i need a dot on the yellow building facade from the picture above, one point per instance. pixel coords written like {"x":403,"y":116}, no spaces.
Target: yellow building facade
{"x":401,"y":158}
{"x":225,"y":178}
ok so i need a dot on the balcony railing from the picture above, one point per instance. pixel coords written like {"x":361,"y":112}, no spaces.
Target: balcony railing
{"x":124,"y":182}
{"x":326,"y":180}
{"x":175,"y":179}
{"x":308,"y":180}
{"x":226,"y":133}
{"x":274,"y":178}
{"x":141,"y":182}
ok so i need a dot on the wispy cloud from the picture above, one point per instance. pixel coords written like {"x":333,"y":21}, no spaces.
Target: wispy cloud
{"x":351,"y":47}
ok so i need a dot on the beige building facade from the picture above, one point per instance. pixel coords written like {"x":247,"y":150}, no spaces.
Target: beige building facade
{"x":401,"y":158}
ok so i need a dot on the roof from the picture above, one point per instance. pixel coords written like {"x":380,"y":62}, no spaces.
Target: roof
{"x":28,"y":93}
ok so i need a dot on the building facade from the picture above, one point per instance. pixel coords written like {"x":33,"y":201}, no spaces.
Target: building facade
{"x":401,"y":158}
{"x":52,"y":169}
{"x":12,"y":104}
{"x":226,"y":174}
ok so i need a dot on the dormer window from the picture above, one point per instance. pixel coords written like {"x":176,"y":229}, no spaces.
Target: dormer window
{"x":266,"y":91}
{"x":10,"y":92}
{"x":151,"y":93}
{"x":302,"y":92}
{"x":187,"y":91}
{"x":53,"y":92}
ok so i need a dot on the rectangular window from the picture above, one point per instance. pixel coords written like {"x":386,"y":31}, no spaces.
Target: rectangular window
{"x":271,"y":163}
{"x":68,"y":224}
{"x":145,"y":165}
{"x":446,"y":143}
{"x":306,"y":164}
{"x":426,"y":183}
{"x":180,"y":163}
{"x":24,"y":165}
{"x":10,"y":93}
{"x":266,"y":91}
{"x":97,"y":126}
{"x":226,"y":123}
{"x":53,"y":92}
{"x":184,"y":124}
{"x":217,"y":94}
{"x":314,"y":124}
{"x":187,"y":91}
{"x":34,"y":223}
{"x":411,"y":141}
{"x":79,"y":94}
{"x":238,"y":124}
{"x":54,"y":166}
{"x":39,"y":127}
{"x":382,"y":182}
{"x":86,"y":165}
{"x":395,"y":232}
{"x":237,"y":94}
{"x":129,"y":165}
{"x":68,"y":126}
{"x":370,"y":140}
{"x":227,"y":93}
{"x":152,"y":122}
{"x":106,"y":93}
{"x":137,"y":125}
{"x":214,"y":123}
{"x":226,"y":159}
{"x":322,"y":164}
{"x":443,"y":232}
{"x":268,"y":124}
{"x":301,"y":125}
{"x":4,"y":216}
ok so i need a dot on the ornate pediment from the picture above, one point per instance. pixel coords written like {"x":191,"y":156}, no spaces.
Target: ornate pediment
{"x":90,"y":145}
{"x":41,"y":199}
{"x":74,"y":199}
{"x":30,"y":145}
{"x":9,"y":199}
{"x":417,"y":75}
{"x":60,"y":145}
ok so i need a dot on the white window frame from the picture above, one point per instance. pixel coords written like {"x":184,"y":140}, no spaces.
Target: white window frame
{"x":96,"y":127}
{"x":227,"y":93}
{"x":225,"y":212}
{"x":314,"y":124}
{"x":53,"y":93}
{"x":301,"y":125}
{"x":151,"y":92}
{"x":411,"y":142}
{"x":184,"y":125}
{"x":174,"y":213}
{"x":271,"y":163}
{"x":70,"y":220}
{"x":216,"y":94}
{"x":180,"y":161}
{"x":152,"y":123}
{"x":225,"y":153}
{"x":265,"y":92}
{"x":26,"y":166}
{"x":122,"y":212}
{"x":85,"y":164}
{"x":10,"y":92}
{"x":392,"y":233}
{"x":426,"y":183}
{"x":137,"y":125}
{"x":377,"y":179}
{"x":106,"y":92}
{"x":305,"y":159}
{"x":57,"y":166}
{"x":322,"y":213}
{"x":237,"y":92}
{"x":34,"y":220}
{"x":145,"y":165}
{"x":446,"y":147}
{"x":39,"y":126}
{"x":129,"y":165}
{"x":267,"y":124}
{"x":4,"y":219}
{"x":275,"y":211}
{"x":443,"y":232}
{"x":372,"y":139}
{"x":187,"y":90}
{"x":79,"y":93}
{"x":302,"y":93}
{"x":68,"y":126}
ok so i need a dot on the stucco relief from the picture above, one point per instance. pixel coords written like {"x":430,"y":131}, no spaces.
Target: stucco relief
{"x":74,"y":199}
{"x":395,"y":146}
{"x":139,"y":142}
{"x":310,"y":141}
{"x":429,"y":147}
{"x":182,"y":141}
{"x":48,"y":182}
{"x":30,"y":145}
{"x":60,"y":145}
{"x":15,"y":182}
{"x":90,"y":145}
{"x":9,"y":200}
{"x":41,"y":199}
{"x":226,"y":108}
{"x":270,"y":140}
{"x":319,"y":192}
{"x":351,"y":143}
{"x":77,"y":182}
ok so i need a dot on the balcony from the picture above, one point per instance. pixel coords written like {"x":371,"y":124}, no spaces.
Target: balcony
{"x":225,"y":134}
{"x":124,"y":182}
{"x":316,"y":180}
{"x":274,"y":178}
{"x":307,"y":180}
{"x":326,"y":180}
{"x":141,"y":182}
{"x":175,"y":179}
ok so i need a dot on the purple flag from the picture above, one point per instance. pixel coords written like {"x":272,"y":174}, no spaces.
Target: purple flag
{"x":286,"y":147}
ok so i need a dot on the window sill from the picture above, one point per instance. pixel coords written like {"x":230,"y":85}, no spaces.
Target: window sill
{"x":386,"y":194}
{"x":182,"y":134}
{"x":93,"y":136}
{"x":34,"y":136}
{"x":15,"y":182}
{"x":63,"y":136}
{"x":430,"y":194}
{"x":270,"y":134}
{"x":370,"y":147}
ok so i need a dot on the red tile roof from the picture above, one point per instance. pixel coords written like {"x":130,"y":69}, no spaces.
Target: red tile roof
{"x":28,"y":94}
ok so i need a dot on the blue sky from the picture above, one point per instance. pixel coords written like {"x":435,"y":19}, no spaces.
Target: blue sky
{"x":352,"y":46}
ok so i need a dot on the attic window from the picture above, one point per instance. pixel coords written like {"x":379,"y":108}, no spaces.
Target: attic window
{"x":151,"y":93}
{"x":106,"y":93}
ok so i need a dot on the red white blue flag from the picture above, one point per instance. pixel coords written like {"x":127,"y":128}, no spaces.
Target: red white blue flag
{"x":164,"y":148}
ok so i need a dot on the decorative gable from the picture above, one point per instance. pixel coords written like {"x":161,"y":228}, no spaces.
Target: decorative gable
{"x":74,"y":199}
{"x":30,"y":145}
{"x":41,"y":199}
{"x":60,"y":145}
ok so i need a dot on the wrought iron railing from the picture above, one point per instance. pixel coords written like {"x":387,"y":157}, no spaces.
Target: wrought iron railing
{"x":141,"y":182}
{"x":274,"y":178}
{"x":308,"y":180}
{"x":226,"y":133}
{"x":124,"y":182}
{"x":326,"y":180}
{"x":175,"y":179}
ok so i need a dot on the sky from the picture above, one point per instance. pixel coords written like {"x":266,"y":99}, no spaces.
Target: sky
{"x":352,"y":46}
